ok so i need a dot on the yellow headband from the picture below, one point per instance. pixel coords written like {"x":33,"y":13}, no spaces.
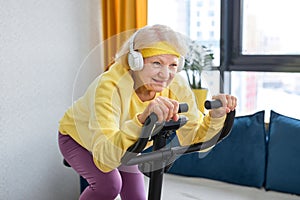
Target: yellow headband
{"x":159,"y":48}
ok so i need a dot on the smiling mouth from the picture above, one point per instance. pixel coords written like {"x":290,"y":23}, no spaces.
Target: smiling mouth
{"x":160,"y":82}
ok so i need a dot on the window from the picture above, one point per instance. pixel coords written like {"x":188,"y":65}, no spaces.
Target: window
{"x":267,"y":91}
{"x":199,"y":35}
{"x":261,"y":54}
{"x":271,"y":33}
{"x":211,"y":13}
{"x":190,"y":18}
{"x":212,"y":23}
{"x":259,"y":41}
{"x":258,"y":58}
{"x":199,"y":3}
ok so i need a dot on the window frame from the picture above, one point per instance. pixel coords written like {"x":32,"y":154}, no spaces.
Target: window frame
{"x":231,"y":46}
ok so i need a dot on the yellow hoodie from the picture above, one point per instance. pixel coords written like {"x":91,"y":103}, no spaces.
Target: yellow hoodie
{"x":104,"y":120}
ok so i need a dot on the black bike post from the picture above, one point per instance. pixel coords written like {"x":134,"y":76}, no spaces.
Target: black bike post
{"x":154,"y":164}
{"x":156,"y":175}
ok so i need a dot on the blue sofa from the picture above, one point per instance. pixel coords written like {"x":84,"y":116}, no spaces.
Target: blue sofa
{"x":251,"y":155}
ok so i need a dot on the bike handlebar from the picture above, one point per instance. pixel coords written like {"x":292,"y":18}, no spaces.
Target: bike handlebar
{"x":212,"y":104}
{"x":151,"y":128}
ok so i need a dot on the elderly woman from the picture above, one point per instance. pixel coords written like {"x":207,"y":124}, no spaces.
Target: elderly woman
{"x":98,"y":128}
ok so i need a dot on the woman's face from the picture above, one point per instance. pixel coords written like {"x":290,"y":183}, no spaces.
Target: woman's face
{"x":157,"y":73}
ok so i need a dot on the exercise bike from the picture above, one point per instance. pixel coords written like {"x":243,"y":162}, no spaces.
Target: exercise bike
{"x":156,"y":162}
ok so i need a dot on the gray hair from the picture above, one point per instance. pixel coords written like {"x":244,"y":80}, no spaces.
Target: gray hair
{"x":149,"y":35}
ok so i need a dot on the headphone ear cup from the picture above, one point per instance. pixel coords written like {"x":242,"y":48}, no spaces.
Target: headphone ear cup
{"x":135,"y":60}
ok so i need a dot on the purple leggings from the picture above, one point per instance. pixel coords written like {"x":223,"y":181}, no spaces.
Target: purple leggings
{"x":127,"y":181}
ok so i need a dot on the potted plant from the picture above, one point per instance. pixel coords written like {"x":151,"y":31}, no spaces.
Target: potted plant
{"x":199,"y":58}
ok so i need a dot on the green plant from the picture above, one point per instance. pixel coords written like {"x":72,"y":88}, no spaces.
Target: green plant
{"x":199,"y":58}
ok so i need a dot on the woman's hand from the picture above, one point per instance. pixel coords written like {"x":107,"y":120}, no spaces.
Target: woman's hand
{"x":229,"y":103}
{"x":165,"y":109}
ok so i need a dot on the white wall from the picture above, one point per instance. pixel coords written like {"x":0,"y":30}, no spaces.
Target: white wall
{"x":42,"y":45}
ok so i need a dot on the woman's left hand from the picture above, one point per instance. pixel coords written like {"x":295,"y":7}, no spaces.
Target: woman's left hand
{"x":229,"y":103}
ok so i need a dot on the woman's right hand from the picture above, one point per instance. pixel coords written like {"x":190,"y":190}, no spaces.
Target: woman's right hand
{"x":165,"y":109}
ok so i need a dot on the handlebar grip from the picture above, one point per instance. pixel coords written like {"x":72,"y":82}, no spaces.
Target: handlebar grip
{"x":148,"y":129}
{"x":183,"y":107}
{"x":212,"y":104}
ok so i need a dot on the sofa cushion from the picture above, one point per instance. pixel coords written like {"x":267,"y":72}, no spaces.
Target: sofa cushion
{"x":240,"y":158}
{"x":283,"y":163}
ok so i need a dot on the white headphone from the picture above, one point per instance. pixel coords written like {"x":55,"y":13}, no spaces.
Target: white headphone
{"x":135,"y":58}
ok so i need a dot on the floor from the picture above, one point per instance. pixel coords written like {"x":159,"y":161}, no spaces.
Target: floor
{"x":188,"y":188}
